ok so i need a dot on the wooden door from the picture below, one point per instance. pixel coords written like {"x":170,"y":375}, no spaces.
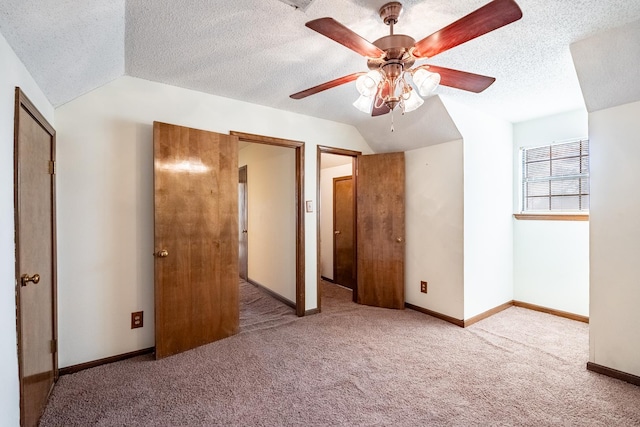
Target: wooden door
{"x":380,"y":230}
{"x":243,"y":215}
{"x":35,"y":258}
{"x":344,"y":268}
{"x":196,"y":237}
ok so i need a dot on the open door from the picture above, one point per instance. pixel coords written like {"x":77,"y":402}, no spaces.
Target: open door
{"x":196,"y":237}
{"x":35,"y":258}
{"x":380,"y":230}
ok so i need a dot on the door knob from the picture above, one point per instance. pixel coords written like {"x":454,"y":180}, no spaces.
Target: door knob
{"x":162,"y":254}
{"x":25,"y":279}
{"x":399,"y":239}
{"x":337,"y":232}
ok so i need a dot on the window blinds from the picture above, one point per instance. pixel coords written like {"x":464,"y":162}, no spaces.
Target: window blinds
{"x":555,"y":178}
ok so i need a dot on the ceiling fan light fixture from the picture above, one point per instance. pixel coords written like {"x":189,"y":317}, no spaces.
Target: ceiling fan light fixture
{"x":426,"y":82}
{"x":364,"y":104}
{"x":391,"y":58}
{"x":413,"y":102}
{"x":367,"y":84}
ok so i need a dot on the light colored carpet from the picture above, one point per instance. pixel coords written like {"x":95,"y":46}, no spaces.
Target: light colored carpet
{"x":260,"y":311}
{"x":356,"y":365}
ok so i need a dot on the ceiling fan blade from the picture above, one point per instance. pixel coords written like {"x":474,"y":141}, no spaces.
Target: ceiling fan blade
{"x":328,"y":85}
{"x":489,"y":17}
{"x":331,"y":28}
{"x":461,"y":79}
{"x":383,"y":109}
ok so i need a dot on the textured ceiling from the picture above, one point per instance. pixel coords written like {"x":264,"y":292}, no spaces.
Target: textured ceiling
{"x":70,"y":46}
{"x":260,"y":51}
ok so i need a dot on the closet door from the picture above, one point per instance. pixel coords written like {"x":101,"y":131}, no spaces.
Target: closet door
{"x":344,"y":271}
{"x":35,"y":258}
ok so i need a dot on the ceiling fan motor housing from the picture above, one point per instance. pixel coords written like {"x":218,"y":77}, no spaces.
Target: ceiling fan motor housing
{"x":390,"y":12}
{"x":396,"y":47}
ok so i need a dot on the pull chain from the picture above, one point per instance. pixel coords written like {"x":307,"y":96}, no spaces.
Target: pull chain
{"x":392,"y":129}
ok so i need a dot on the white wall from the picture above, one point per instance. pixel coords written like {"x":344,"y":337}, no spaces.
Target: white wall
{"x":271,"y":229}
{"x":326,"y":215}
{"x":13,"y":74}
{"x":551,"y":258}
{"x":434,"y":224}
{"x":488,"y":199}
{"x":614,"y":340}
{"x":105,"y":206}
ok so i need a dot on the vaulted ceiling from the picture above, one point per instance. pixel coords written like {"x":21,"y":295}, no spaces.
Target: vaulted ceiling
{"x":260,"y":51}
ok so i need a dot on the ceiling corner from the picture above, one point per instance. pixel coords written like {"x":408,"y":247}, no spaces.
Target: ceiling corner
{"x":607,"y":67}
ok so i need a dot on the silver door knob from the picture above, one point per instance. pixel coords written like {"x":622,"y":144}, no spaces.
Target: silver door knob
{"x":337,"y":232}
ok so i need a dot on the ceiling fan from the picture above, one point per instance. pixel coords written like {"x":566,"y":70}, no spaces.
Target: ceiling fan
{"x":390,"y":59}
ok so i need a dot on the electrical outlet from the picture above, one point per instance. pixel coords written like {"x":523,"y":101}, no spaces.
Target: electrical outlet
{"x":423,"y":287}
{"x":137,"y":319}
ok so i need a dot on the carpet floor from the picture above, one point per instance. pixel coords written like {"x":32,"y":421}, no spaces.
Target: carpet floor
{"x":360,"y":366}
{"x":260,"y":311}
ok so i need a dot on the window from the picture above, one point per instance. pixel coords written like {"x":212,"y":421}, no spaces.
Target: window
{"x":555,"y":178}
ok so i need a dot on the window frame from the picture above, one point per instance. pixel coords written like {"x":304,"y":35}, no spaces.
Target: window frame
{"x":580,"y":215}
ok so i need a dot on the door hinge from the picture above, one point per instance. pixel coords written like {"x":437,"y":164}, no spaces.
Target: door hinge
{"x":54,"y":346}
{"x":52,"y":167}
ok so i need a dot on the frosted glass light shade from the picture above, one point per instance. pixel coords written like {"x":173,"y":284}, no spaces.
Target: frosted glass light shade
{"x":425,"y":81}
{"x":413,"y":102}
{"x":364,"y":104}
{"x":367,"y":84}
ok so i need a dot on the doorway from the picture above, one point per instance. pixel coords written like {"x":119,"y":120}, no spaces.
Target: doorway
{"x":296,"y":149}
{"x":243,"y":215}
{"x":196,"y":300}
{"x":35,"y":225}
{"x":336,"y":249}
{"x":379,"y":227}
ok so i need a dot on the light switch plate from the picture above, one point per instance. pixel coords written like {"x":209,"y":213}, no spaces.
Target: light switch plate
{"x":309,"y":204}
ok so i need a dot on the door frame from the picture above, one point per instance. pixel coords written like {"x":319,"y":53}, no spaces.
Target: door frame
{"x":22,"y":101}
{"x":354,"y":155}
{"x":298,"y":146}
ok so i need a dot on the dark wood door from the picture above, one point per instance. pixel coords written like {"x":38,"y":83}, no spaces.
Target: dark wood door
{"x":243,"y":219}
{"x":343,"y":232}
{"x":35,"y":259}
{"x":196,"y":237}
{"x":380,"y":230}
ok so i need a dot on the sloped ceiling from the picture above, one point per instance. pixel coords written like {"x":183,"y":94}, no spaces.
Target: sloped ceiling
{"x":430,"y":124}
{"x":70,"y":46}
{"x":259,"y":51}
{"x":608,"y":67}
